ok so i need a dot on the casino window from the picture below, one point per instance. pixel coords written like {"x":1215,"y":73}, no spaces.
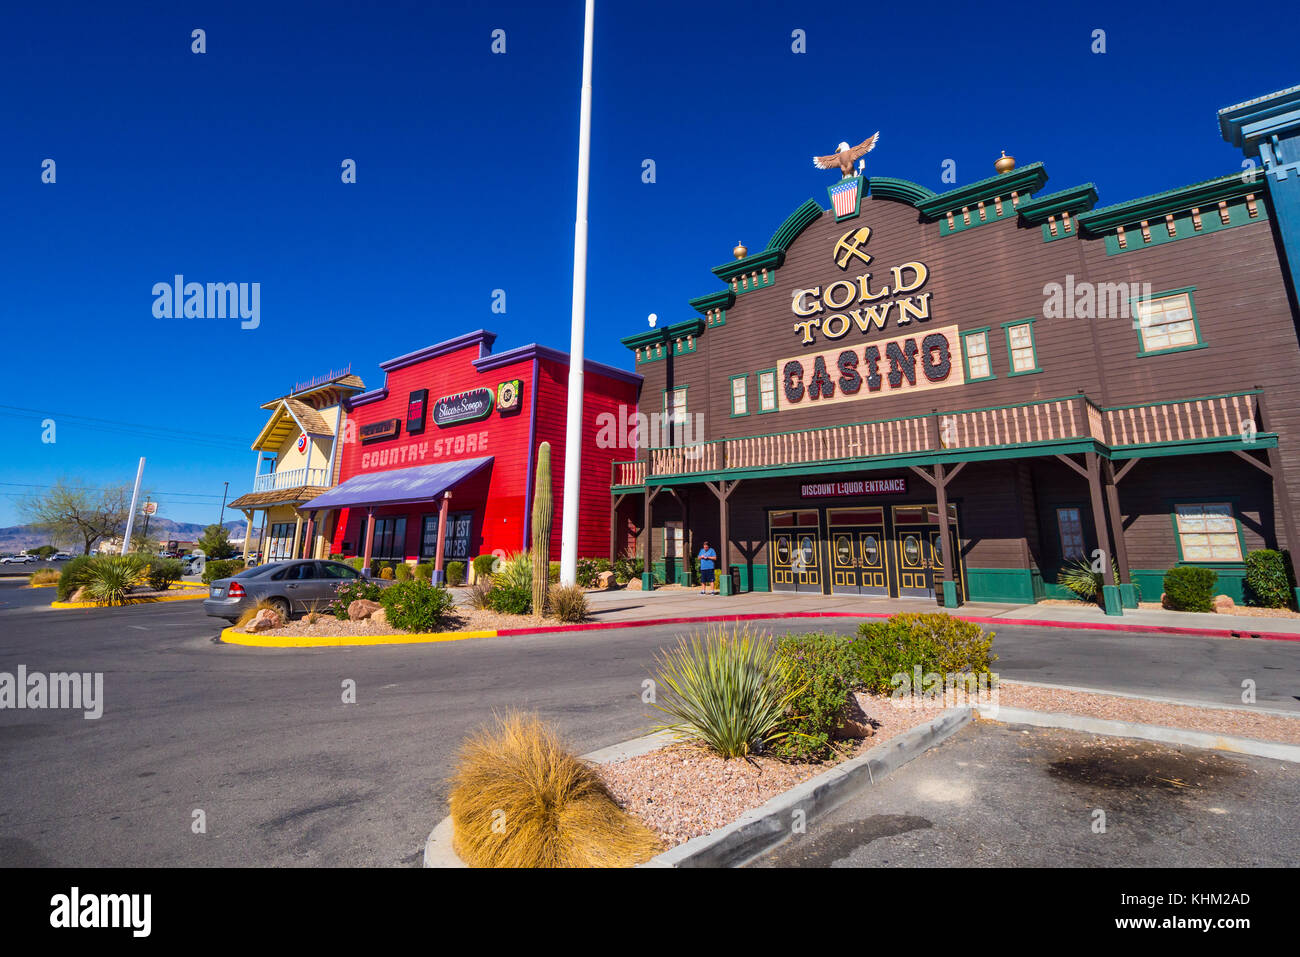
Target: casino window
{"x":739,"y":395}
{"x":1020,"y":347}
{"x":767,"y":391}
{"x":975,"y":345}
{"x":1166,"y":322}
{"x":675,"y":414}
{"x":1207,"y":532}
{"x":1069,"y":522}
{"x":390,"y":538}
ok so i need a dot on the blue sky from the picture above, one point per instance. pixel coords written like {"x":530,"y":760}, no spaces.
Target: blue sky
{"x":225,"y":166}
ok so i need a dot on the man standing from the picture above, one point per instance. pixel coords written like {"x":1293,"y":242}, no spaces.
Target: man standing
{"x":707,"y":558}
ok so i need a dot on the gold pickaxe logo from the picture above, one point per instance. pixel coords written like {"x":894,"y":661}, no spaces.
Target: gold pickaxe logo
{"x":850,"y":245}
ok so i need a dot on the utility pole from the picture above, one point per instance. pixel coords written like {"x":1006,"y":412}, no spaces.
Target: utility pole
{"x":223,"y":504}
{"x":573,"y":430}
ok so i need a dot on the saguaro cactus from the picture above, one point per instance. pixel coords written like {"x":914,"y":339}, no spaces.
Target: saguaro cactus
{"x":543,"y":508}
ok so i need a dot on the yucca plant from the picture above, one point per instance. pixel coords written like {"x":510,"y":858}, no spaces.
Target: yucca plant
{"x":516,"y":571}
{"x":1080,"y":580}
{"x":519,"y":799}
{"x":728,"y":689}
{"x":110,"y":578}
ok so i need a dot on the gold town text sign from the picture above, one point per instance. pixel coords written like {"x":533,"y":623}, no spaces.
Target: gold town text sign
{"x":916,"y":362}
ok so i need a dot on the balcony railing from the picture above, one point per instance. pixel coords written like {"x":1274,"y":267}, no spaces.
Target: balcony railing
{"x":1073,"y":418}
{"x":290,"y":478}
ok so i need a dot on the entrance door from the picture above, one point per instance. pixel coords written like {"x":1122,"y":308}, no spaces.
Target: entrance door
{"x":918,"y":550}
{"x":857,"y":539}
{"x":794,"y":551}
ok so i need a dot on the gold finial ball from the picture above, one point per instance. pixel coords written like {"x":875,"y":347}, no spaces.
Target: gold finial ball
{"x":741,"y":251}
{"x":1006,"y":164}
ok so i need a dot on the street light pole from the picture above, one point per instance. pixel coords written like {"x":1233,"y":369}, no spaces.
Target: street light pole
{"x":573,"y":430}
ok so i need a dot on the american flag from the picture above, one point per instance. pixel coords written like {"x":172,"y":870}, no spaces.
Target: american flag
{"x":845,"y":197}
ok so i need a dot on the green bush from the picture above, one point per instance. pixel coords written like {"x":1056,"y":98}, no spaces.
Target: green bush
{"x":625,"y":569}
{"x":483,"y":566}
{"x":553,"y":572}
{"x":934,"y":642}
{"x":164,"y":572}
{"x":587,"y":572}
{"x":823,"y":670}
{"x":221,"y":568}
{"x":568,"y":603}
{"x":479,"y":596}
{"x":728,"y":689}
{"x":414,"y":605}
{"x":424,"y":572}
{"x":511,"y":599}
{"x":1269,"y":579}
{"x":349,"y":591}
{"x":455,"y":573}
{"x":357,"y":563}
{"x":1190,"y":588}
{"x":72,"y":576}
{"x":110,"y":578}
{"x":402,"y":572}
{"x":336,"y":556}
{"x":375,"y":567}
{"x":515,"y":571}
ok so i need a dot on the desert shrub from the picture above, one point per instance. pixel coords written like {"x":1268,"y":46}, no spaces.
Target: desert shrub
{"x":221,"y":568}
{"x":164,"y":572}
{"x":1189,"y":588}
{"x":1080,"y":580}
{"x":568,"y":603}
{"x":934,"y":642}
{"x":357,"y":563}
{"x":387,"y":574}
{"x":424,"y":572}
{"x":402,"y":572}
{"x":823,"y":671}
{"x":46,"y":576}
{"x":510,"y":599}
{"x":483,"y":566}
{"x":558,"y":812}
{"x":418,"y":606}
{"x":455,"y":573}
{"x":587,"y":572}
{"x":1269,"y":579}
{"x":553,"y":572}
{"x":349,"y":591}
{"x":515,"y":570}
{"x":728,"y":689}
{"x":625,"y":569}
{"x":110,"y":578}
{"x":478,"y":594}
{"x":72,"y":576}
{"x":336,"y":556}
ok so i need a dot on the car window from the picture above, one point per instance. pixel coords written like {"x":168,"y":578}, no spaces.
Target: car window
{"x":279,"y":574}
{"x":257,"y":570}
{"x":304,"y":572}
{"x":335,"y":570}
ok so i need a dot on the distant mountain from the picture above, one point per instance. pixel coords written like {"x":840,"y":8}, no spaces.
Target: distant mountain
{"x":15,"y":538}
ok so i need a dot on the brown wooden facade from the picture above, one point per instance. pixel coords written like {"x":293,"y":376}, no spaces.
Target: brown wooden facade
{"x":1133,"y":429}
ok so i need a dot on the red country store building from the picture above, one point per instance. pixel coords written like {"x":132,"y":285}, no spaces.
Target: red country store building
{"x":450,"y":442}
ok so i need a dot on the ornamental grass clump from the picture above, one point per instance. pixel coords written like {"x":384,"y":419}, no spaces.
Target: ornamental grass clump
{"x":46,"y":576}
{"x":568,"y":603}
{"x":728,"y":689}
{"x":519,"y":799}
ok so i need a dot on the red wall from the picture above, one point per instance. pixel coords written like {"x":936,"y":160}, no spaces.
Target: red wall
{"x":498,"y":496}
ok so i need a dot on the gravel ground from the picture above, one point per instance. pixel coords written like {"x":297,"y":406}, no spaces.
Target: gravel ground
{"x":1230,"y":721}
{"x":1249,"y":611}
{"x":684,"y":790}
{"x":466,"y":619}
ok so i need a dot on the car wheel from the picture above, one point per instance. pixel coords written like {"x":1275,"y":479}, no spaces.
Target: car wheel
{"x":281,"y":607}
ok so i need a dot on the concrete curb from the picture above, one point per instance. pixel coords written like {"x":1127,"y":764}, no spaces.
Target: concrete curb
{"x":1145,"y":732}
{"x":62,"y":605}
{"x":1183,"y":702}
{"x":232,"y":637}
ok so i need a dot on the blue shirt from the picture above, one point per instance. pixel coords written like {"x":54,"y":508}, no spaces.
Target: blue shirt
{"x":707,"y":555}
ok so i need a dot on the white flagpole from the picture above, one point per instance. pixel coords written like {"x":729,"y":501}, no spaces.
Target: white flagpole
{"x":130,"y":516}
{"x":573,"y":431}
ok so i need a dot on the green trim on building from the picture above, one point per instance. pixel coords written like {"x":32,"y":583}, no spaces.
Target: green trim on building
{"x":1185,"y":227}
{"x":758,"y":380}
{"x":1023,"y":181}
{"x":965,"y":362}
{"x":1232,"y":500}
{"x":794,"y":224}
{"x":1075,"y":200}
{"x":1033,"y":344}
{"x":1143,"y":351}
{"x":889,"y":187}
{"x":731,"y":396}
{"x":1205,"y":195}
{"x":1014,"y":585}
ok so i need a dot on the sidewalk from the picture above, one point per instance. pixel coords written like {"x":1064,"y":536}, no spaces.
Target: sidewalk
{"x":669,"y":605}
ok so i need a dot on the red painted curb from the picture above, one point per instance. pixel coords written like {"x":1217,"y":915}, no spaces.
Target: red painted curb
{"x":1042,"y":623}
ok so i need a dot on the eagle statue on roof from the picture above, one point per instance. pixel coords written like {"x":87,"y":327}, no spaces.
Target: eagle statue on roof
{"x":846,"y":156}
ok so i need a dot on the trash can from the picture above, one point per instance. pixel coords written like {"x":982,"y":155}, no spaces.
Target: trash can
{"x":733,"y":579}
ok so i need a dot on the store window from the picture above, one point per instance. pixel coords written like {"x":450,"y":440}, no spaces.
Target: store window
{"x":1167,"y":323}
{"x":978,"y":365}
{"x":390,"y":539}
{"x":767,"y":391}
{"x":739,"y":397}
{"x":457,"y":546}
{"x":1069,"y":524}
{"x":280,"y":541}
{"x":1207,"y":532}
{"x":1020,"y":347}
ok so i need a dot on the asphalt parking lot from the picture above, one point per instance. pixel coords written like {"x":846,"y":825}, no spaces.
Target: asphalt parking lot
{"x":997,"y":795}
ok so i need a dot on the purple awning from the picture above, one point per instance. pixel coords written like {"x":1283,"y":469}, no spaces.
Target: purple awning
{"x":399,"y":486}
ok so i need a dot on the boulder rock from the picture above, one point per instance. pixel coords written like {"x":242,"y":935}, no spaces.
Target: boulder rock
{"x":854,"y":720}
{"x":634,"y":584}
{"x":605,"y":580}
{"x":362,"y":608}
{"x":1164,"y":600}
{"x":380,"y":616}
{"x":265,"y":619}
{"x":79,"y":595}
{"x":1224,"y":605}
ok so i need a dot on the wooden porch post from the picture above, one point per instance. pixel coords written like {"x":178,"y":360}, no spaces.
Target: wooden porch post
{"x":613,"y":529}
{"x":297,"y":534}
{"x":1109,"y":591}
{"x":722,"y":491}
{"x":439,"y":575}
{"x":1127,"y":593}
{"x":647,"y":570}
{"x":309,"y":542}
{"x":370,"y":541}
{"x":945,"y":536}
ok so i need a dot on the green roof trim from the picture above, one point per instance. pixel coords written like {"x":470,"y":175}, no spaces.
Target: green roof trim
{"x":795,"y":223}
{"x":1023,"y":181}
{"x":722,"y":299}
{"x":889,"y":187}
{"x":687,"y":327}
{"x":767,"y":259}
{"x":1075,"y":200}
{"x":647,"y":338}
{"x":1157,"y":205}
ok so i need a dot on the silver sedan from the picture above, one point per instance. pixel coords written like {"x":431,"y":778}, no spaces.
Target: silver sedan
{"x":291,"y":587}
